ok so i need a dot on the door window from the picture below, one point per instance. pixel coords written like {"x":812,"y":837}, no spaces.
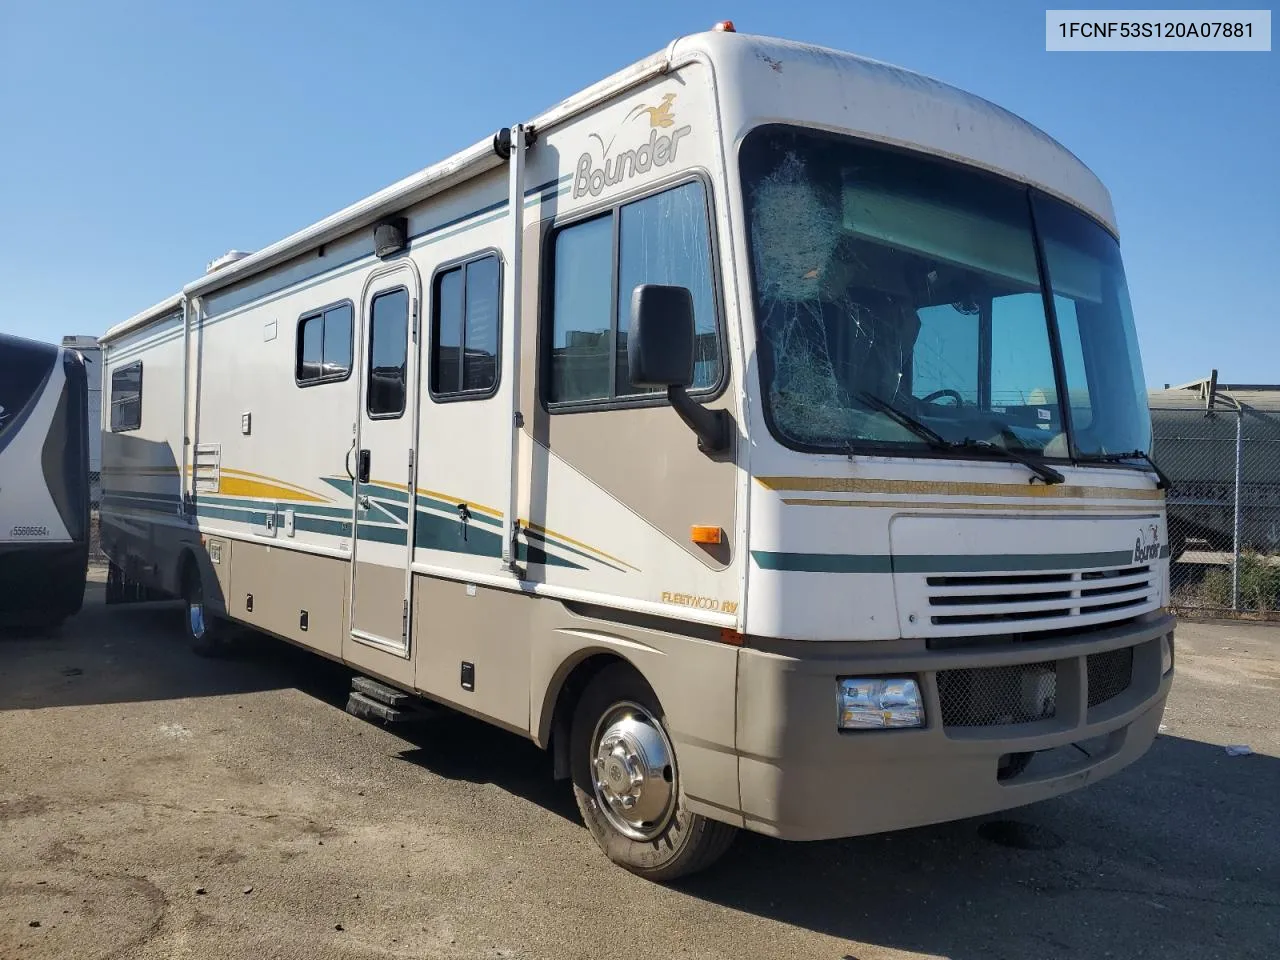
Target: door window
{"x":388,"y":353}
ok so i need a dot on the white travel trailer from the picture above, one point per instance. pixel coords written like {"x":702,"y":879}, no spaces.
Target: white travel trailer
{"x":91,"y":353}
{"x":708,"y":429}
{"x":44,"y":482}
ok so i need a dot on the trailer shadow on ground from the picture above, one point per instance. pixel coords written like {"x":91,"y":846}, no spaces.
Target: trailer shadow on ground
{"x":139,"y":652}
{"x":1178,"y":856}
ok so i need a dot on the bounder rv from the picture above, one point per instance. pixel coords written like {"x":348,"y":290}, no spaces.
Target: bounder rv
{"x":761,"y":430}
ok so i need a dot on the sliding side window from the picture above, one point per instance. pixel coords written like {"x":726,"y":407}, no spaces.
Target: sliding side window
{"x":467,"y":301}
{"x":324,"y":346}
{"x":126,"y":398}
{"x":597,"y":264}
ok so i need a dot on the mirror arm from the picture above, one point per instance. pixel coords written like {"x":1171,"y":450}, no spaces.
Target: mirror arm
{"x":712,"y":427}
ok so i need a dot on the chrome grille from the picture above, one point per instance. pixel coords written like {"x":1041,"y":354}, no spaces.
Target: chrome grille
{"x":1110,"y":674}
{"x":996,"y":696}
{"x":960,"y":600}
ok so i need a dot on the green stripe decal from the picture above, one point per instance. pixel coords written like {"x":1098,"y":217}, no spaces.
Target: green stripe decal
{"x":924,"y":563}
{"x":480,"y":536}
{"x":821,"y":562}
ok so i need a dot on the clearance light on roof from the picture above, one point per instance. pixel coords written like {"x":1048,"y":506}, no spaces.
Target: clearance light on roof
{"x":724,"y":26}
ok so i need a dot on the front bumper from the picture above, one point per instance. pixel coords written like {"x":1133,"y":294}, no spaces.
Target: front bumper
{"x":803,"y":779}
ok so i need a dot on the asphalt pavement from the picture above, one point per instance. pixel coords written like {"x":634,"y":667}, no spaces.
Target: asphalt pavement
{"x":156,"y":805}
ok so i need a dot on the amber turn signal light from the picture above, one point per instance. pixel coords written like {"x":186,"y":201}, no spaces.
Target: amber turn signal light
{"x":706,"y":535}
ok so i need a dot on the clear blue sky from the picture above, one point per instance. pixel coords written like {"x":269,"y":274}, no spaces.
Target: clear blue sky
{"x":138,"y":140}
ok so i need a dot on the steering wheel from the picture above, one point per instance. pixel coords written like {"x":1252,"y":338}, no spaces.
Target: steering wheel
{"x":945,"y":392}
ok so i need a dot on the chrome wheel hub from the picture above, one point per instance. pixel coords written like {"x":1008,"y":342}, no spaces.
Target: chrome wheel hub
{"x":195,"y":613}
{"x":633,"y":771}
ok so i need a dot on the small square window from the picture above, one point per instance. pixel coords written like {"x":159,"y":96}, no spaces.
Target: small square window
{"x":324,"y":345}
{"x":126,"y":398}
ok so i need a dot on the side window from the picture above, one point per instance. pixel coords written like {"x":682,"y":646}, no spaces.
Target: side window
{"x":467,"y":302}
{"x":388,"y":352}
{"x":582,"y":315}
{"x":946,"y":353}
{"x":324,"y":346}
{"x":664,"y":238}
{"x":126,"y":398}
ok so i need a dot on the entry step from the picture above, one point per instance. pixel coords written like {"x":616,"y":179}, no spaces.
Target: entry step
{"x":380,"y":691}
{"x":371,"y":700}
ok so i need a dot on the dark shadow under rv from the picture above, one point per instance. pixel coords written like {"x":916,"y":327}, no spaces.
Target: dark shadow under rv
{"x":42,"y":570}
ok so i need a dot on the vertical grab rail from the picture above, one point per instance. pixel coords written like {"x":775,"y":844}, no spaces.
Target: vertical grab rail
{"x":511,"y":338}
{"x":185,"y":438}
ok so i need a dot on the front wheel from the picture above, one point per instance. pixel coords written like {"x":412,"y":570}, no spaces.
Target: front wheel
{"x":626,"y":781}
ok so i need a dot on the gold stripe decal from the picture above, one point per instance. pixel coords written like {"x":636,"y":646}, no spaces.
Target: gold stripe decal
{"x":955,"y":488}
{"x":242,"y":483}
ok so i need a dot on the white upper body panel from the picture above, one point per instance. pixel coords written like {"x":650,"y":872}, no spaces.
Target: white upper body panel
{"x":763,"y":80}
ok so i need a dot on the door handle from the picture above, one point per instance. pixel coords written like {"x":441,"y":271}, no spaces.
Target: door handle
{"x":362,"y":468}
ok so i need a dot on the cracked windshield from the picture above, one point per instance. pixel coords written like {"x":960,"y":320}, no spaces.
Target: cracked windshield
{"x":886,"y":279}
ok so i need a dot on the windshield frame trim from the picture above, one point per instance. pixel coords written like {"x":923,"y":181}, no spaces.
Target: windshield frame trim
{"x":1051,"y":321}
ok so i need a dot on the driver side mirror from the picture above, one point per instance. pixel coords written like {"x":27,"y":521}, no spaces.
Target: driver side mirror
{"x":660,"y":353}
{"x":660,"y":341}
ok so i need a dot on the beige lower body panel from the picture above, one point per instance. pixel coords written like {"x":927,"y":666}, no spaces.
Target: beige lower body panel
{"x":377,"y":605}
{"x":285,"y":584}
{"x":149,"y":547}
{"x":802,"y":779}
{"x":523,"y":647}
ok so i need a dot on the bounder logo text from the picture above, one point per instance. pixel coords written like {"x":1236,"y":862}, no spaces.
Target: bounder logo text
{"x":658,"y":151}
{"x":1147,"y":546}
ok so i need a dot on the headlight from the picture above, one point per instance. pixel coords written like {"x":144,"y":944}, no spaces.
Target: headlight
{"x":1166,"y":654}
{"x":875,"y":703}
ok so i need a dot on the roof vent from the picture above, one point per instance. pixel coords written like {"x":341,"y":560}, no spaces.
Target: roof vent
{"x":228,"y":258}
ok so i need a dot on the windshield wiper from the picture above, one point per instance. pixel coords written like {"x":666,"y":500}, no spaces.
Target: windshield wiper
{"x":938,"y":442}
{"x":1162,"y":480}
{"x":1041,"y":470}
{"x":902,"y":418}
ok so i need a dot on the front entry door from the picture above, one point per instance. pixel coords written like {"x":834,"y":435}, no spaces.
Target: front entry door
{"x":383,"y":491}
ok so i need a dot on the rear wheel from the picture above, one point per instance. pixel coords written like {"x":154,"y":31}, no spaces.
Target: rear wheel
{"x":626,"y":781}
{"x":210,"y":636}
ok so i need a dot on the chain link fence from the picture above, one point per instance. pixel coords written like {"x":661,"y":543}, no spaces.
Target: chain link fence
{"x":1224,"y":509}
{"x":96,"y":556}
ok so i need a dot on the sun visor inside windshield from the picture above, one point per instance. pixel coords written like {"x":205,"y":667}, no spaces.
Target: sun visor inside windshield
{"x":964,"y":238}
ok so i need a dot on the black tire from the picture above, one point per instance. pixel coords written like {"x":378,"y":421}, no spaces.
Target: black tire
{"x":689,"y":842}
{"x":216,"y":638}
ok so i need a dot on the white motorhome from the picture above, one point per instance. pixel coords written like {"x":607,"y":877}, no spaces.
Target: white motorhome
{"x":710,"y":429}
{"x":44,"y":482}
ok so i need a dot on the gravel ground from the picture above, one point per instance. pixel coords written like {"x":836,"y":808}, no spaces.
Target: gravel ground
{"x":154,"y":805}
